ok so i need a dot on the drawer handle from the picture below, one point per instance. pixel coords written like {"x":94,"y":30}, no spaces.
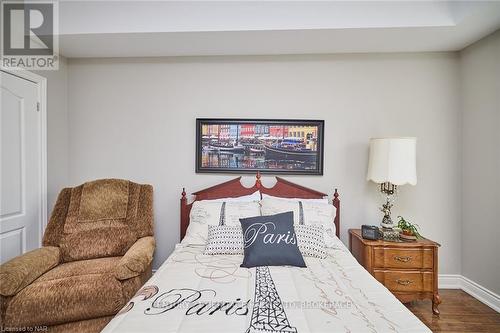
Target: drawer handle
{"x":404,"y":282}
{"x":402,"y":259}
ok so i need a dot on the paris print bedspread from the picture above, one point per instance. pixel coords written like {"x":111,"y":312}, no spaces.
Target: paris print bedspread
{"x":192,"y":293}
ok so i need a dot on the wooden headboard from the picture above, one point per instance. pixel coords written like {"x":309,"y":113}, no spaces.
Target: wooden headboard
{"x":233,"y":188}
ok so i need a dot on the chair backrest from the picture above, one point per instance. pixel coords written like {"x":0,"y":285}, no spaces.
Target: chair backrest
{"x":102,"y":218}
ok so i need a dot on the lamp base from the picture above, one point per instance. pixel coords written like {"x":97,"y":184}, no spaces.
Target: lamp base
{"x":386,"y":224}
{"x":388,"y":189}
{"x":387,"y":229}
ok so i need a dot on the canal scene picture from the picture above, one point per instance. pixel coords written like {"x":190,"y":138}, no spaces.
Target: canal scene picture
{"x":271,"y":146}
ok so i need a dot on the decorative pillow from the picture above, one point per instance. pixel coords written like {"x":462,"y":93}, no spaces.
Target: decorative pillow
{"x":324,"y":200}
{"x":210,"y":212}
{"x":311,"y":240}
{"x":227,"y":239}
{"x":270,"y":241}
{"x":304,"y":212}
{"x":224,"y":239}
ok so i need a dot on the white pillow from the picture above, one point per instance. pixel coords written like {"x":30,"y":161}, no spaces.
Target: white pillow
{"x":315,"y":213}
{"x":255,"y":196}
{"x":311,"y":240}
{"x":208,"y":212}
{"x":224,"y":239}
{"x":324,"y":200}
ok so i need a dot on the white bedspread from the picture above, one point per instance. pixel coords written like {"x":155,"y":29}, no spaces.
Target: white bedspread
{"x":193,"y":293}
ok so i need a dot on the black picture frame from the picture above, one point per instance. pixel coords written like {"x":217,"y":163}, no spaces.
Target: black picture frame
{"x":265,"y":153}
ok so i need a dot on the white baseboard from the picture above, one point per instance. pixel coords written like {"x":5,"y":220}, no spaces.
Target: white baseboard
{"x":486,"y":296}
{"x":482,"y":294}
{"x":450,"y":281}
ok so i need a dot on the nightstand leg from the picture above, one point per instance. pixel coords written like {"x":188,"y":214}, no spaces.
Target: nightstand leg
{"x":436,"y":300}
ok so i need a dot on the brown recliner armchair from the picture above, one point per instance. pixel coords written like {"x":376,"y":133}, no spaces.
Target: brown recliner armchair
{"x":97,"y":252}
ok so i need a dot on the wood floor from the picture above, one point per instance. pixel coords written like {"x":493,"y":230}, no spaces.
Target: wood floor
{"x":460,"y":312}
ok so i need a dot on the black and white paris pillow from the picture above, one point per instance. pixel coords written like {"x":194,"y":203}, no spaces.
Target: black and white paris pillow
{"x":270,"y":241}
{"x":225,"y":239}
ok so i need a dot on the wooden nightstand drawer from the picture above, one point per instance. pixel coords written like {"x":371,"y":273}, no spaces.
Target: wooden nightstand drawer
{"x":402,"y":258}
{"x":408,"y":269}
{"x":405,"y":280}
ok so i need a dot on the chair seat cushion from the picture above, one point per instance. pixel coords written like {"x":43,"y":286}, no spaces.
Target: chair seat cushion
{"x":95,"y":325}
{"x":70,"y":292}
{"x":82,"y":267}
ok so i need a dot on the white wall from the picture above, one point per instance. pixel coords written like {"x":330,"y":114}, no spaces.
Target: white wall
{"x":57,"y":131}
{"x":480,"y":77}
{"x":135,"y":119}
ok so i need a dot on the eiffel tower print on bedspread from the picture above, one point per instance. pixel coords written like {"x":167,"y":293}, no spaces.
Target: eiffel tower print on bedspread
{"x":268,"y":314}
{"x":222,"y":218}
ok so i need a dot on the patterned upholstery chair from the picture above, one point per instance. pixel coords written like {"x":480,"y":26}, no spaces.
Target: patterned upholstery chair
{"x":97,"y":252}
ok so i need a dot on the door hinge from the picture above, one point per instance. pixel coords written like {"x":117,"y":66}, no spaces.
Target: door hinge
{"x":38,"y":106}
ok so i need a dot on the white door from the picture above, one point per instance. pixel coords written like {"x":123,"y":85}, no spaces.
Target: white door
{"x":20,"y":173}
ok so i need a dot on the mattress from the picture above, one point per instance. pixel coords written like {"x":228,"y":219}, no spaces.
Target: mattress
{"x":192,"y":292}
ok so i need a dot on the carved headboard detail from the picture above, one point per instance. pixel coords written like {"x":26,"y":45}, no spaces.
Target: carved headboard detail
{"x":233,"y":188}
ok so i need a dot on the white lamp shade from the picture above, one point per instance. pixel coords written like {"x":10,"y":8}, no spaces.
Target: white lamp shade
{"x":393,"y":160}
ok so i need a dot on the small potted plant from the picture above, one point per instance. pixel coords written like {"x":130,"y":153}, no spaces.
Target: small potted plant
{"x":409,"y":231}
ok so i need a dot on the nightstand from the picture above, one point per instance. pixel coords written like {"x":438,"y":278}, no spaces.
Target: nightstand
{"x":408,"y":269}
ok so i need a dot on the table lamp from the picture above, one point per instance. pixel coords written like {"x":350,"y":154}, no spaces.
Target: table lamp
{"x":392,"y":163}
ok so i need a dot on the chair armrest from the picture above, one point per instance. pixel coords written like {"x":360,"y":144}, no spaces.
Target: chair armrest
{"x":20,"y":271}
{"x":137,"y":259}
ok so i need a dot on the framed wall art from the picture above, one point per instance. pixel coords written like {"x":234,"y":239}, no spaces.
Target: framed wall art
{"x":265,"y":145}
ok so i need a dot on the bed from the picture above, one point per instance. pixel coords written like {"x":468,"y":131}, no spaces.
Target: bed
{"x":193,"y":292}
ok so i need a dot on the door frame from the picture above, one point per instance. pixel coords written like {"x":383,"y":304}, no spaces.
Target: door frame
{"x":41,"y":83}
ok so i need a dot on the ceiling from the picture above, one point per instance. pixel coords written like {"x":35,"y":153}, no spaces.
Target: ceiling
{"x":196,"y":28}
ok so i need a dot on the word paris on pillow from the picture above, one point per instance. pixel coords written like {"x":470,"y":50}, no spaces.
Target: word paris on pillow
{"x":270,"y":241}
{"x":305,"y":212}
{"x":227,"y":239}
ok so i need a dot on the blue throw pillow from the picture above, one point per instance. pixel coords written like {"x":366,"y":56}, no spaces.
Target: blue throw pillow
{"x":270,"y":241}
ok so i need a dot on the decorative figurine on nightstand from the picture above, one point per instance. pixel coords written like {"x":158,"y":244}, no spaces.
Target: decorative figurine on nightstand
{"x":386,"y":209}
{"x":392,"y":163}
